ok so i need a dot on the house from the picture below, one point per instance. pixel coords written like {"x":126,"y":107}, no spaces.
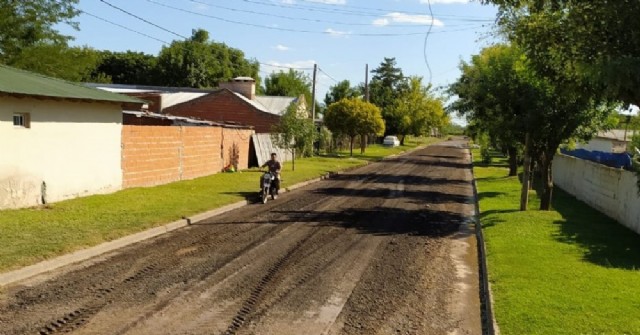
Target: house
{"x":613,"y":141}
{"x":236,"y":102}
{"x":60,"y":140}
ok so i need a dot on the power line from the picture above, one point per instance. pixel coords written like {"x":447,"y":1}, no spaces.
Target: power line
{"x":123,"y":27}
{"x":426,"y":38}
{"x":326,"y":32}
{"x":142,"y":19}
{"x":326,"y":74}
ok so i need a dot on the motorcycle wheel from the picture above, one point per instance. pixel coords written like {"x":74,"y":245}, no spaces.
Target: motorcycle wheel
{"x":265,"y":196}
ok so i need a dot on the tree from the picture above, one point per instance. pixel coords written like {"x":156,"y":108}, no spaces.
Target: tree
{"x":295,"y":131}
{"x":292,"y":83}
{"x":127,"y":67}
{"x":416,"y":111}
{"x":495,"y":92}
{"x":507,"y":98}
{"x":73,"y":64}
{"x":352,"y":117}
{"x":199,"y":63}
{"x":29,"y":23}
{"x":594,"y":45}
{"x":339,"y":91}
{"x":387,"y":85}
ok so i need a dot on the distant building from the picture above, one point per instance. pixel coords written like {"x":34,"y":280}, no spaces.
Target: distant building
{"x":608,"y":141}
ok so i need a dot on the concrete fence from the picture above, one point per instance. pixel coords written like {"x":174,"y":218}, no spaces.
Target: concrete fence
{"x":610,"y":191}
{"x":155,"y":155}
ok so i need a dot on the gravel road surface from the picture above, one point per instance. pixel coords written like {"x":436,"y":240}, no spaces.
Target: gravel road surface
{"x":384,"y":249}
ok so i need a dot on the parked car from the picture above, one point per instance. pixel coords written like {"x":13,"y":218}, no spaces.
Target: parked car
{"x":391,"y":141}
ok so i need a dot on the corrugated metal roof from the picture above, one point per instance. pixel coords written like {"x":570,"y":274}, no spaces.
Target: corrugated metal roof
{"x":616,"y":134}
{"x":183,"y":119}
{"x":171,"y":99}
{"x":20,"y":82}
{"x":269,"y":104}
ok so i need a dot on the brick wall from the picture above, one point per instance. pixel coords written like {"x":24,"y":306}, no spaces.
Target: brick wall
{"x":155,"y":155}
{"x":225,"y":106}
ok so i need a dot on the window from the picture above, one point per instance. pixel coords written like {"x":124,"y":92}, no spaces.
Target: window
{"x":21,"y":120}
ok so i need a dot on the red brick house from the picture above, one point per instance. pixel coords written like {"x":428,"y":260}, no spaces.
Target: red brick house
{"x":236,"y":102}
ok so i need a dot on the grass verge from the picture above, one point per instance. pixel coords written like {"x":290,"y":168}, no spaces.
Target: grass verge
{"x":567,"y":271}
{"x":35,"y":234}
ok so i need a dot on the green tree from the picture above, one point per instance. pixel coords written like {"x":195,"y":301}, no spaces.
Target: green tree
{"x":387,"y":85}
{"x":505,"y":97}
{"x":199,"y":63}
{"x":496,"y":91}
{"x":416,"y":111}
{"x":127,"y":67}
{"x":292,"y":83}
{"x":339,"y":91}
{"x":593,"y":45}
{"x":73,"y":64}
{"x":295,"y":131}
{"x":30,"y":23}
{"x":352,"y":117}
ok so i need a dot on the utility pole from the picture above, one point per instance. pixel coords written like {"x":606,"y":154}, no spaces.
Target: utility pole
{"x":366,"y":82}
{"x":313,"y":94}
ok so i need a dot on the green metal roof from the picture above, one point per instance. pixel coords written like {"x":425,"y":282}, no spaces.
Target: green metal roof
{"x":20,"y":82}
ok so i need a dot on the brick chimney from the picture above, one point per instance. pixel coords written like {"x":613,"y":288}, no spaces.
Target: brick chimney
{"x":243,"y":85}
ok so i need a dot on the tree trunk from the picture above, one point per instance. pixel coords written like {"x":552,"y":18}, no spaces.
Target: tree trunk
{"x":351,"y":144}
{"x":524,"y":193}
{"x":402,"y":140}
{"x":547,"y":181}
{"x":293,"y":159}
{"x":363,"y":143}
{"x":513,"y":161}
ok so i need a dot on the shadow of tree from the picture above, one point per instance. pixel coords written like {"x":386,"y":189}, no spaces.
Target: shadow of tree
{"x":607,"y":242}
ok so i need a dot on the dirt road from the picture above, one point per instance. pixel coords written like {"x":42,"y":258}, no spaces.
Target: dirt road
{"x":384,"y":249}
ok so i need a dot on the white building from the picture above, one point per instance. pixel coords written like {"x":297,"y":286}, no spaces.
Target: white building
{"x":59,"y":140}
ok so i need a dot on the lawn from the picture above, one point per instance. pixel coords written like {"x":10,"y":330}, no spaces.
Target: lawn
{"x":34,"y":234}
{"x":567,"y":271}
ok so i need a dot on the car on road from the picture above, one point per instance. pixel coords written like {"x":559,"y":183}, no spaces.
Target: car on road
{"x":391,"y":141}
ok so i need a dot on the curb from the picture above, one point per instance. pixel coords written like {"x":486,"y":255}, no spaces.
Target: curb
{"x":85,"y":254}
{"x":489,"y":324}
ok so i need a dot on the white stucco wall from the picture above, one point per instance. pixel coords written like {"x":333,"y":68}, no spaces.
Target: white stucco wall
{"x":597,"y":144}
{"x":73,"y":147}
{"x":610,"y":191}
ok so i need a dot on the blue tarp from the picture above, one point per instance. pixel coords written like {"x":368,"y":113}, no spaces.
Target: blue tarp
{"x":619,"y":161}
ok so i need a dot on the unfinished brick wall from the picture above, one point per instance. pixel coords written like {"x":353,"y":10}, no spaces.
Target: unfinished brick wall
{"x":155,"y":155}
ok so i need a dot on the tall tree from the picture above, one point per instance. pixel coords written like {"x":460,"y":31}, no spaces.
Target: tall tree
{"x":127,"y":67}
{"x":387,"y":85}
{"x":198,"y":62}
{"x":507,"y":98}
{"x":292,"y":83}
{"x":593,"y":45}
{"x":27,"y":23}
{"x":339,"y":91}
{"x":416,"y":111}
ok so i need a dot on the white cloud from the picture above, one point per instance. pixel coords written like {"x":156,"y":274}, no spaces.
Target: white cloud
{"x":337,"y":33}
{"x":202,"y":7}
{"x":289,"y":2}
{"x":281,"y":47}
{"x":406,"y":18}
{"x":433,"y":2}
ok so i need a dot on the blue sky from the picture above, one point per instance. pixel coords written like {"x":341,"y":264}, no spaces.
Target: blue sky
{"x":341,"y":36}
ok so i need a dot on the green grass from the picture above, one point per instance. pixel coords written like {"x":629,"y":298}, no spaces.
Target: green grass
{"x":34,"y":234}
{"x":378,"y":151}
{"x":567,"y":271}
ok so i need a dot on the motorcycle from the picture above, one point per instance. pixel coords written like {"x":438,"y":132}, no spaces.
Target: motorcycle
{"x":268,"y":187}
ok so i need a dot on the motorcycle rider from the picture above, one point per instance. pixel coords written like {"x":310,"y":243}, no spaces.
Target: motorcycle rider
{"x":274,"y":168}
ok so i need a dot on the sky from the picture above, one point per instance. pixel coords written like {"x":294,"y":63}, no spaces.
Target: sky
{"x":340,"y":36}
